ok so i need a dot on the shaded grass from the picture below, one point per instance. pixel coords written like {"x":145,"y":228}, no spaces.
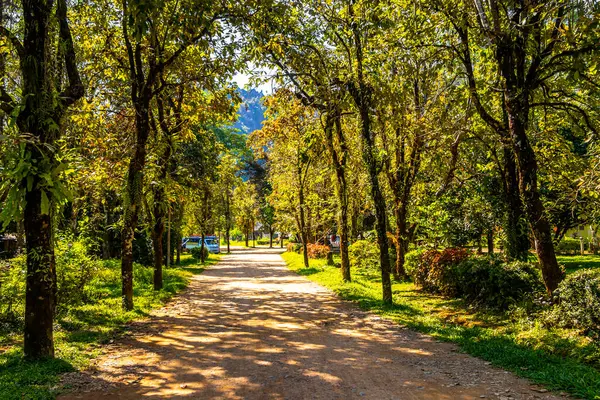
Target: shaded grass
{"x":81,"y":330}
{"x":561,"y":360}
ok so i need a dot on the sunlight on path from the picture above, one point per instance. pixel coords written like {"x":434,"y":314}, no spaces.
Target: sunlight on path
{"x":248,"y":328}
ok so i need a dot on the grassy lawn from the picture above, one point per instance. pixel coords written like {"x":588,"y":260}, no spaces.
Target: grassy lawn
{"x":559,"y":359}
{"x":575,"y":263}
{"x":81,"y":330}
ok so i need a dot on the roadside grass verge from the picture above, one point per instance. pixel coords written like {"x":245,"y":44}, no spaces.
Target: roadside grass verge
{"x":81,"y":330}
{"x":559,"y":359}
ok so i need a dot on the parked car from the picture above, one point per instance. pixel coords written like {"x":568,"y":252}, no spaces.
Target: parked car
{"x":210,"y":242}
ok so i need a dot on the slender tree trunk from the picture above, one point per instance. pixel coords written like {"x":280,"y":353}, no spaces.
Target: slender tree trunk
{"x":490,"y":242}
{"x":378,"y":201}
{"x":361,"y":94}
{"x":518,"y":111}
{"x":159,"y":214}
{"x":517,"y":239}
{"x":202,"y":258}
{"x":338,"y":159}
{"x":133,"y":201}
{"x":303,"y":233}
{"x":247,"y":235}
{"x":40,"y":296}
{"x":157,"y":237}
{"x":401,"y":239}
{"x":270,"y":237}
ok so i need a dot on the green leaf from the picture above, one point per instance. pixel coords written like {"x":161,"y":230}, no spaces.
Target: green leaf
{"x":29,"y":183}
{"x":45,"y":203}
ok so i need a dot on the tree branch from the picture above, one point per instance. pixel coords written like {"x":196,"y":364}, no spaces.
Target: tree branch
{"x":75,"y":90}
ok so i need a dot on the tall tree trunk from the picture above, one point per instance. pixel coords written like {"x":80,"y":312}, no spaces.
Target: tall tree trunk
{"x":247,"y":234}
{"x":303,"y":233}
{"x":517,"y":239}
{"x":41,"y":118}
{"x":338,"y":159}
{"x":490,"y":242}
{"x":227,"y":220}
{"x":133,"y":201}
{"x":271,"y":237}
{"x":157,"y":236}
{"x":40,"y":296}
{"x":401,"y":239}
{"x":202,"y":247}
{"x":518,"y":113}
{"x":361,"y":94}
{"x":377,"y":197}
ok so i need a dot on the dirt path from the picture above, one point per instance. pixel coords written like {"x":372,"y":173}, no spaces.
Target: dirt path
{"x":248,"y":328}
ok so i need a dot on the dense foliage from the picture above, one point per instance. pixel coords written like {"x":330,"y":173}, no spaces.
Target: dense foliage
{"x":579,"y":302}
{"x":443,"y":141}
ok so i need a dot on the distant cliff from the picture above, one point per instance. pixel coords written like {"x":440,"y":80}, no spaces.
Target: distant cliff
{"x":251,"y":113}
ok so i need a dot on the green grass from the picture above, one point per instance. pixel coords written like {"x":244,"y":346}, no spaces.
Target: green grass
{"x":81,"y":330}
{"x":576,"y":263}
{"x":559,"y":359}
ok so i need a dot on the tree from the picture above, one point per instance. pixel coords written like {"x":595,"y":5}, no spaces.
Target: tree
{"x":289,"y":135}
{"x":157,"y":31}
{"x":532,"y":43}
{"x":36,"y":185}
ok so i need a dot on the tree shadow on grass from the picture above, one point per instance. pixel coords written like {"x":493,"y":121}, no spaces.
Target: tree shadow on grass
{"x":22,"y":379}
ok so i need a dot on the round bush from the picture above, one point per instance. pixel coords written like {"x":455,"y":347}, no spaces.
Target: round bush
{"x":197,"y":252}
{"x":436,"y":271}
{"x":412,"y":260}
{"x":317,"y":250}
{"x":483,"y":281}
{"x":497,"y":284}
{"x":364,"y":254}
{"x":579,"y":301}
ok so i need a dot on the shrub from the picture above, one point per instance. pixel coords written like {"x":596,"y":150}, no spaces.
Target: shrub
{"x":74,"y":270}
{"x":294,"y":247}
{"x":317,"y":250}
{"x":364,"y":254}
{"x":12,"y":291}
{"x":569,"y":246}
{"x":197,"y":252}
{"x":482,"y":281}
{"x":411,"y":261}
{"x":497,"y":284}
{"x":436,"y":271}
{"x":579,"y":302}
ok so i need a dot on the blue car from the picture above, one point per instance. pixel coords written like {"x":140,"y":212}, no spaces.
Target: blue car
{"x":210,"y":242}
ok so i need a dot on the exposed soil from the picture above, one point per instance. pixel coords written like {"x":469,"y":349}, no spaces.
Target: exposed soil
{"x":248,"y":328}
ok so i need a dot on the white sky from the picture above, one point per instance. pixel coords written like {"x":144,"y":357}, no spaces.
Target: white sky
{"x":243,"y":80}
